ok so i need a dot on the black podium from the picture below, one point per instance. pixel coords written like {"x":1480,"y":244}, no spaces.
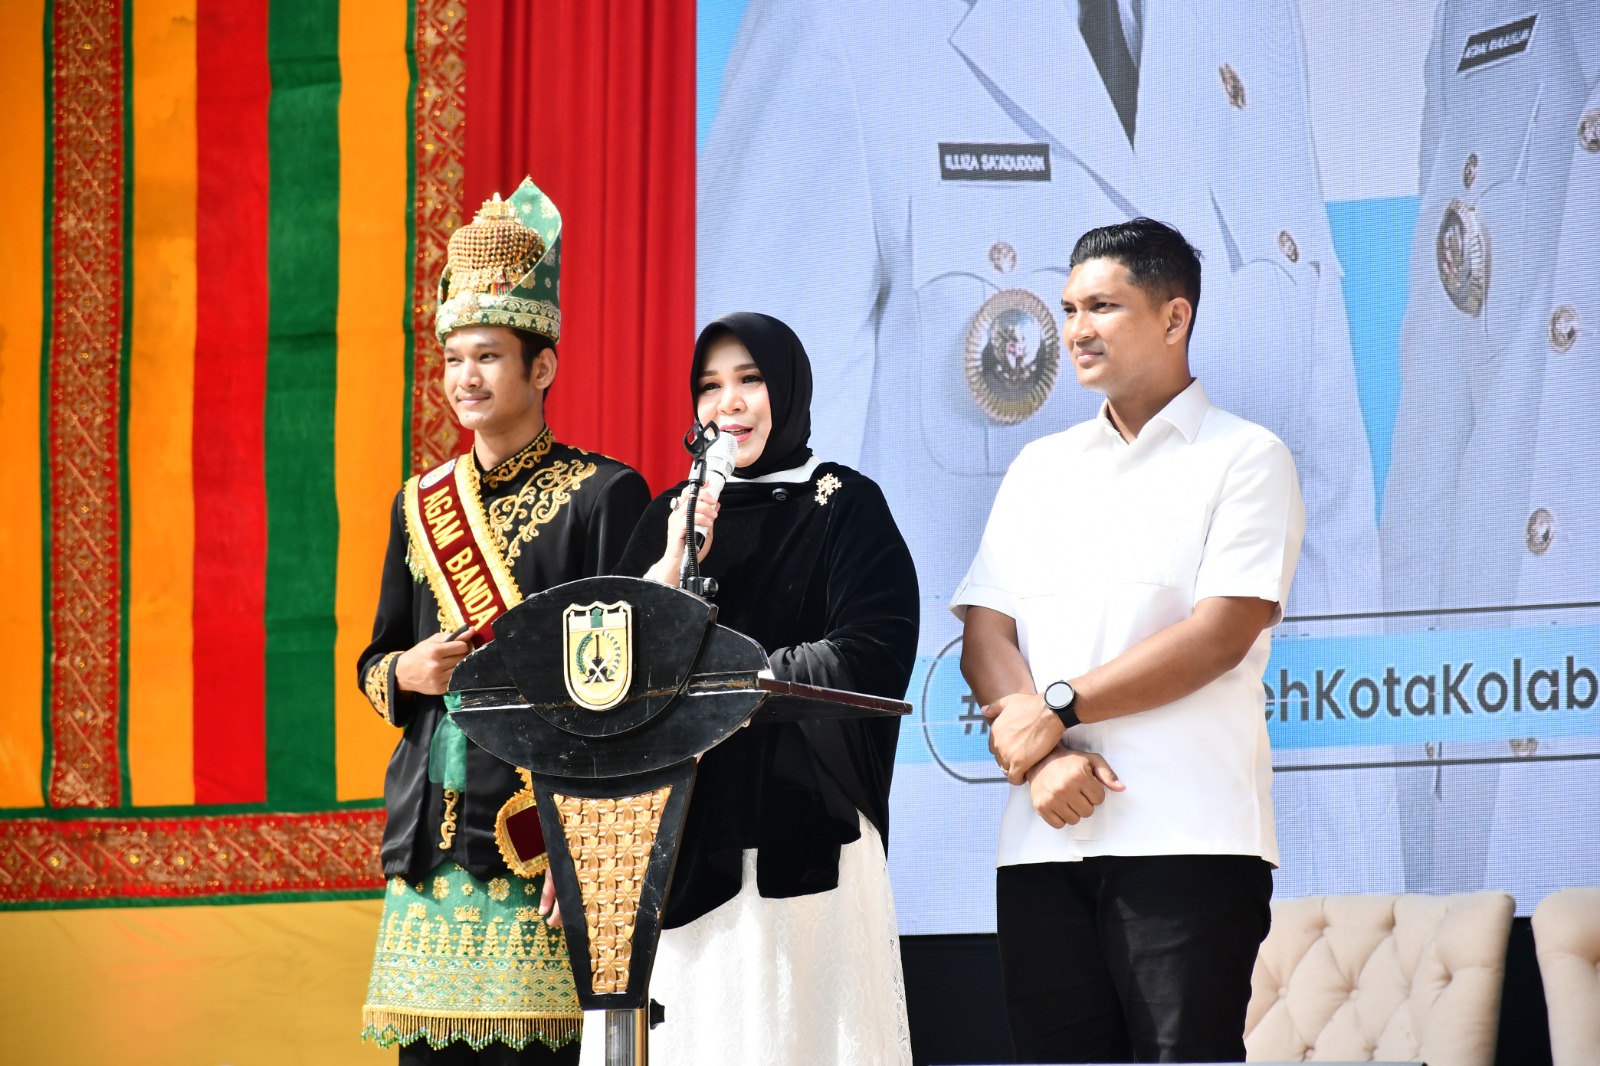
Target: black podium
{"x":607,"y":690}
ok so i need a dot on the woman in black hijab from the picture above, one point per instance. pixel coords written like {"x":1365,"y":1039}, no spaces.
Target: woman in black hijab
{"x":780,"y":942}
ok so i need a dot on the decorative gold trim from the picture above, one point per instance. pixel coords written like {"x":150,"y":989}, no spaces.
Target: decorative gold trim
{"x":422,"y":556}
{"x":515,"y":520}
{"x":519,"y":802}
{"x":447,"y":825}
{"x":466,"y":475}
{"x":377,"y":685}
{"x":611,"y":841}
{"x":387,"y":1027}
{"x":420,"y":553}
{"x":472,"y":308}
{"x":526,"y":459}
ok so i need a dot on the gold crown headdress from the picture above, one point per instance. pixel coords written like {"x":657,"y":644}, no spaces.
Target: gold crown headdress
{"x":504,"y":267}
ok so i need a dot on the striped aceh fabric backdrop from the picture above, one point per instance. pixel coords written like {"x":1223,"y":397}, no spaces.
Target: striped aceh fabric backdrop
{"x":217,"y":364}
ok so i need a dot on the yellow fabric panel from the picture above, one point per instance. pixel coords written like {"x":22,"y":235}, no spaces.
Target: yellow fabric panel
{"x":254,"y":985}
{"x":160,"y":406}
{"x":374,"y":289}
{"x":21,"y":324}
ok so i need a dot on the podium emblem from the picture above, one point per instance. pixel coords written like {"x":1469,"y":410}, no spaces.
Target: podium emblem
{"x":598,"y":653}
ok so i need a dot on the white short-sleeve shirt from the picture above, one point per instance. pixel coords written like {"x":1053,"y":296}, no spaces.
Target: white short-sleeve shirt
{"x":1095,"y":543}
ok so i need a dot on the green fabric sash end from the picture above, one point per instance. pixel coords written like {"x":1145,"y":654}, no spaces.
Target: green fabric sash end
{"x":447,"y":755}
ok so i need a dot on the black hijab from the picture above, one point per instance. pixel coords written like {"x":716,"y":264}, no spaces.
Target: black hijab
{"x":785,"y":368}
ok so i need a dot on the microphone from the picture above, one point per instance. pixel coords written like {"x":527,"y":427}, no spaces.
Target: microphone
{"x":720,"y":459}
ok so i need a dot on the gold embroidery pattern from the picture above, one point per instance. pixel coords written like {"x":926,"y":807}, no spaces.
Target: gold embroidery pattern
{"x":826,"y":487}
{"x":192,"y":858}
{"x":537,"y":316}
{"x":84,"y":332}
{"x":610,"y":840}
{"x":526,"y":459}
{"x":377,"y":685}
{"x":499,"y":889}
{"x":444,"y":972}
{"x":540,"y":500}
{"x":447,"y":825}
{"x":438,"y":208}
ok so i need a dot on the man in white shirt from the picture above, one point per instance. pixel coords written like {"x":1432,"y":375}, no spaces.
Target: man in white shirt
{"x":1116,"y":629}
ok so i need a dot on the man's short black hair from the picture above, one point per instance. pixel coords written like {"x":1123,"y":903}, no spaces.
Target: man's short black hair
{"x":532,"y":344}
{"x":1157,"y":257}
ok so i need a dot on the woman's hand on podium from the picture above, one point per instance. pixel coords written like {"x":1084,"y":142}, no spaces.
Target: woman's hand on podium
{"x":427,"y":667}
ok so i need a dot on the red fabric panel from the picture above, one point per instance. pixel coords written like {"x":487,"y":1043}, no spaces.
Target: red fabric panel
{"x":595,"y":101}
{"x":230,"y":360}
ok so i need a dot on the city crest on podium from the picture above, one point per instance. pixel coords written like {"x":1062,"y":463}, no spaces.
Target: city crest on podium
{"x":598,"y":653}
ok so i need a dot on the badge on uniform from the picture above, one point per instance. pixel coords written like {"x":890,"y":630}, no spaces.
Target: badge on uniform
{"x":1013,"y":356}
{"x":1461,"y":252}
{"x":598,"y":653}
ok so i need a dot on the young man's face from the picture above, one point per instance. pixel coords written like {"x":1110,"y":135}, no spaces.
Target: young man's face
{"x":1118,"y":336}
{"x":486,"y":383}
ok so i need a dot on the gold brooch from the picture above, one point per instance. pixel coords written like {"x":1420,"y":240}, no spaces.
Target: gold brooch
{"x":826,"y":487}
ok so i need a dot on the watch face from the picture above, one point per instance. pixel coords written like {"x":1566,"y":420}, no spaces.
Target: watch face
{"x":1057,"y":695}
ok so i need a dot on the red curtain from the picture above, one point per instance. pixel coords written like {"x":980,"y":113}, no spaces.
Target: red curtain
{"x":595,"y":101}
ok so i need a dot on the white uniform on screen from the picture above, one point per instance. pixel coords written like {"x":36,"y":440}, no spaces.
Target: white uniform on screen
{"x":1493,"y":499}
{"x":837,"y":191}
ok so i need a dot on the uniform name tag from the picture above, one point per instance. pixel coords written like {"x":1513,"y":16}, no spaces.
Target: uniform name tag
{"x":1502,"y":42}
{"x":994,"y":162}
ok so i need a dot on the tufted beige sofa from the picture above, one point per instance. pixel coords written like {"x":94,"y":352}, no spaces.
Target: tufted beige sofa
{"x":1566,"y":934}
{"x":1406,"y":978}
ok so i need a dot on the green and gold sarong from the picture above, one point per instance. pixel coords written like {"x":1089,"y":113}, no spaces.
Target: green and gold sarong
{"x":460,"y":959}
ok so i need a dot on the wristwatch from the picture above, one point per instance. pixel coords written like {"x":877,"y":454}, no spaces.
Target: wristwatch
{"x":1060,"y":698}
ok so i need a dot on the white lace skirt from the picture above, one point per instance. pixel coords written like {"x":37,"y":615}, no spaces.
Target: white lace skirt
{"x":807,"y":981}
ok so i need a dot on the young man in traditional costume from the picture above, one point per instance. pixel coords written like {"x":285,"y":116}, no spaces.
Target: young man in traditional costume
{"x":471,"y":964}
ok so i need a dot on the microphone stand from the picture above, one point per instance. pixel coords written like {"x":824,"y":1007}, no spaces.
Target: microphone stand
{"x":696,"y":442}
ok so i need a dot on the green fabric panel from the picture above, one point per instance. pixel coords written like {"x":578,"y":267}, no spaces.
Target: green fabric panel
{"x":302,"y":511}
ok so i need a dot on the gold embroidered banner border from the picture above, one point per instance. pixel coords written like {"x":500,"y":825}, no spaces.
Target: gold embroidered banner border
{"x":128,"y":859}
{"x":84,"y":378}
{"x":440,"y":149}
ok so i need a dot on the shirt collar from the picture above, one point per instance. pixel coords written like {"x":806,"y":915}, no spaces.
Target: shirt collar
{"x":1184,"y":412}
{"x":525,"y":458}
{"x":1187,"y":410}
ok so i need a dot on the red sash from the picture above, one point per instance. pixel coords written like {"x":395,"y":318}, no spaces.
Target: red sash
{"x":451,"y":540}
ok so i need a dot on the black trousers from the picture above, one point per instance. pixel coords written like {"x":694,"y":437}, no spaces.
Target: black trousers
{"x":1127,"y":958}
{"x":460,"y":1053}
